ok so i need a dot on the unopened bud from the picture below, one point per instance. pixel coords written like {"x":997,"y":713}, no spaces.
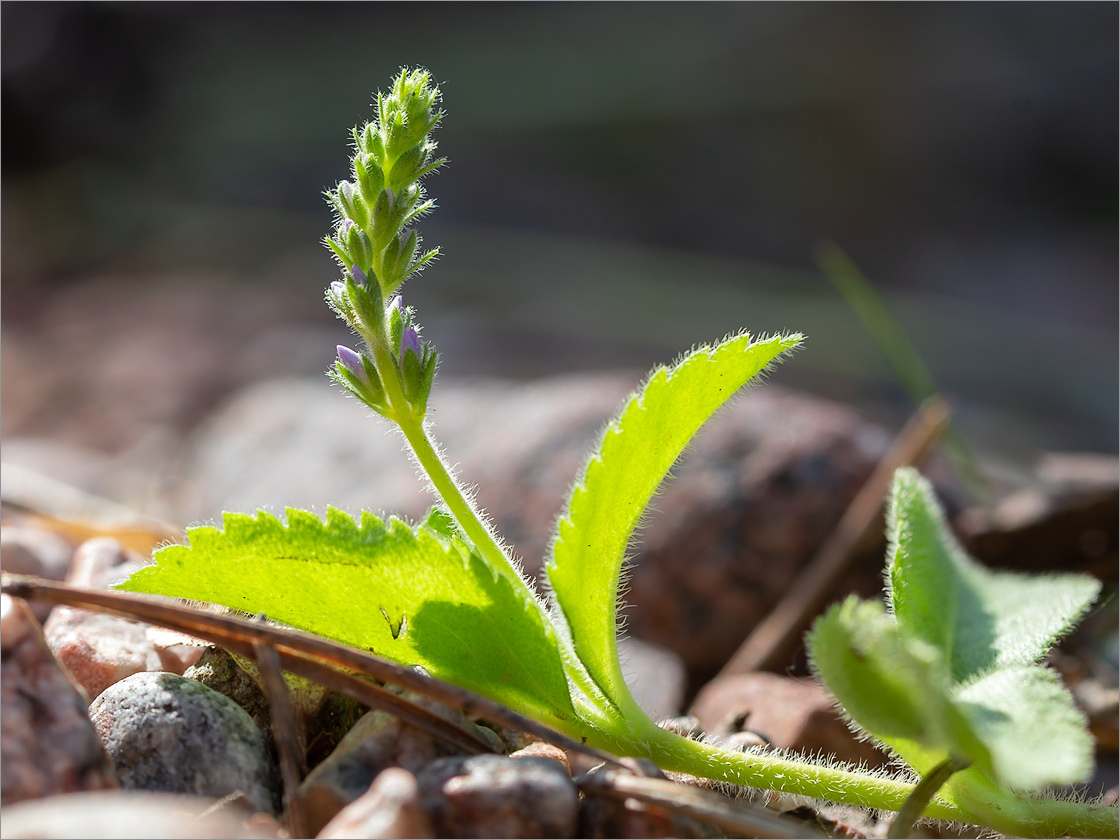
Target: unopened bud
{"x":353,"y":363}
{"x":410,"y":343}
{"x":358,"y":275}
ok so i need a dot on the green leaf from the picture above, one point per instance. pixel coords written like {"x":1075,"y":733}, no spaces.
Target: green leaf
{"x":952,"y":673}
{"x":417,"y":596}
{"x":609,"y":498}
{"x":897,"y":690}
{"x":1033,"y":732}
{"x":982,"y":619}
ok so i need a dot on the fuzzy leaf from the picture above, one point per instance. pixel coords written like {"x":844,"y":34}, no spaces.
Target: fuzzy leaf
{"x":982,"y":619}
{"x":608,"y":500}
{"x":952,"y":673}
{"x":895,"y":690}
{"x":414,"y":595}
{"x":1033,"y":732}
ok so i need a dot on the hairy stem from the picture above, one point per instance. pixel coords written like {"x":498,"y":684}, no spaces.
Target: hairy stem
{"x":471,"y":522}
{"x":1021,"y":816}
{"x":921,"y":795}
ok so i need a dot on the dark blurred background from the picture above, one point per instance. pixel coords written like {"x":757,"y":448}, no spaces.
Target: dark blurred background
{"x":626,"y":180}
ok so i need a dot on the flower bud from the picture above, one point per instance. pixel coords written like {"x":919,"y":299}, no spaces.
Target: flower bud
{"x":358,"y":276}
{"x":404,"y":170}
{"x":383,"y":225}
{"x":352,"y":205}
{"x":410,"y":343}
{"x":353,"y":364}
{"x":371,"y":180}
{"x":359,"y":247}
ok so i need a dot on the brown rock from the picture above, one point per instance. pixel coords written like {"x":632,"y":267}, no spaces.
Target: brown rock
{"x":376,"y":742}
{"x":498,"y":796}
{"x":789,"y":713}
{"x":47,"y":743}
{"x":539,"y":749}
{"x":389,"y":809}
{"x":100,"y":650}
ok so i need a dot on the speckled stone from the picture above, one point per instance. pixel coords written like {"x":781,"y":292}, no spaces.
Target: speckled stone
{"x":166,"y":733}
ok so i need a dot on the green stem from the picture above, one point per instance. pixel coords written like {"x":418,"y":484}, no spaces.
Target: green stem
{"x":1021,"y":816}
{"x":471,"y":521}
{"x":920,"y":797}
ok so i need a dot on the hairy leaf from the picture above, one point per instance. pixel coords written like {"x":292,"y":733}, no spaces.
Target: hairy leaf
{"x":413,"y":595}
{"x":952,"y":673}
{"x":606,"y":503}
{"x":980,"y":618}
{"x":1034,"y":733}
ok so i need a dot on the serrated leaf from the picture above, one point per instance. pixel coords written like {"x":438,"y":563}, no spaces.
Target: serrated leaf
{"x":1028,"y":721}
{"x":413,"y":595}
{"x":983,"y":619}
{"x":608,"y":499}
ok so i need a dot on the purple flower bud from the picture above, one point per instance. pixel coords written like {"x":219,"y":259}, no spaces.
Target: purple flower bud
{"x":344,"y":228}
{"x":337,"y":288}
{"x":396,"y":303}
{"x":410,"y":341}
{"x":353,"y":363}
{"x":358,"y":275}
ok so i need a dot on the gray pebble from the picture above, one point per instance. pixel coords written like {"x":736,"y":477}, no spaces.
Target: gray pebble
{"x":30,"y":551}
{"x":167,"y":733}
{"x":499,"y":796}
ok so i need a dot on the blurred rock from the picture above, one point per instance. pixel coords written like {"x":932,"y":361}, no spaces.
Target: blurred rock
{"x":100,"y":650}
{"x":750,"y":501}
{"x":656,"y":676}
{"x":789,"y":713}
{"x":1066,"y":519}
{"x":602,"y":816}
{"x":389,"y":809}
{"x":498,"y":796}
{"x":47,"y":745}
{"x":30,"y":551}
{"x":126,"y":815}
{"x":539,"y":749}
{"x":377,"y":741}
{"x":170,"y":734}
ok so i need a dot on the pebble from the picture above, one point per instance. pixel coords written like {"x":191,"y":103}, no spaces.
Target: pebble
{"x":498,"y":796}
{"x":170,"y":734}
{"x":389,"y":809}
{"x":783,"y":712}
{"x":31,"y":551}
{"x":376,"y":742}
{"x":100,"y":650}
{"x":47,"y":744}
{"x":328,"y":715}
{"x":126,"y":815}
{"x":539,"y":749}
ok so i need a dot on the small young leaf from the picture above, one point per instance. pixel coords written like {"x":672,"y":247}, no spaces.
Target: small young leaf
{"x":952,"y":673}
{"x":982,"y":619}
{"x":1034,"y":733}
{"x":896,"y":690}
{"x":609,"y":498}
{"x":414,"y":595}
